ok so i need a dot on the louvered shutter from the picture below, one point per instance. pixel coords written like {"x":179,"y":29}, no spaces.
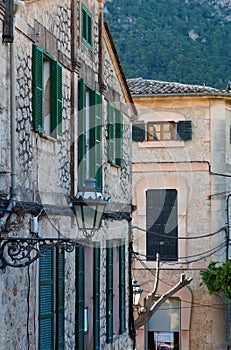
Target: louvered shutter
{"x":82,"y":133}
{"x":109,"y":291}
{"x":162,"y":224}
{"x":37,"y":89}
{"x":119,"y":137}
{"x":60,"y":273}
{"x":46,"y":301}
{"x":110,"y":133}
{"x":184,"y":130}
{"x":138,"y":132}
{"x":96,"y":294}
{"x":80,"y":292}
{"x":98,"y":153}
{"x":56,"y":99}
{"x":122,"y":288}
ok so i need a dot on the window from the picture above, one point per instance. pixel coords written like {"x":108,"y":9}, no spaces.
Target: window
{"x":86,"y":27}
{"x":122,"y":287}
{"x":162,"y":131}
{"x":164,"y":327}
{"x":161,"y":224}
{"x":109,"y":289}
{"x":47,"y":93}
{"x":80,"y":298}
{"x":51,"y":300}
{"x":115,"y":135}
{"x":116,"y":289}
{"x":96,"y":296}
{"x":89,"y":141}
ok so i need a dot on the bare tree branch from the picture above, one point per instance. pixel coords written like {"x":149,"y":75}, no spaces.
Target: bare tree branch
{"x":146,"y":312}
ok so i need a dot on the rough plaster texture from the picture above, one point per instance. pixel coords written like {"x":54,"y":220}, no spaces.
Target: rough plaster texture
{"x":166,"y":165}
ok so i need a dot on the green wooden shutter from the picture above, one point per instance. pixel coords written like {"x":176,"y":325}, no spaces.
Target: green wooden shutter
{"x":122,"y":288}
{"x":82,"y":133}
{"x":80,"y":292}
{"x":37,"y":89}
{"x":46,"y":301}
{"x":60,"y":290}
{"x":56,"y":98}
{"x":109,"y":291}
{"x":184,"y":130}
{"x":119,"y":138}
{"x":98,"y":153}
{"x":110,"y":133}
{"x":138,"y":132}
{"x":96,"y":294}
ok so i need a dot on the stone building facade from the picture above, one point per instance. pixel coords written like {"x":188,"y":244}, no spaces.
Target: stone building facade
{"x":65,"y":116}
{"x":181,"y":181}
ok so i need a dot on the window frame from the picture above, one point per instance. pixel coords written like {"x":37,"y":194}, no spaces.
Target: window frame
{"x":162,"y":132}
{"x":89,"y":151}
{"x":114,"y":135}
{"x":87,"y":27}
{"x":39,"y":56}
{"x":55,"y":266}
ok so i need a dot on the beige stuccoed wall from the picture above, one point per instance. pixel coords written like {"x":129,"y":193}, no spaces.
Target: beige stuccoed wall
{"x":186,"y":166}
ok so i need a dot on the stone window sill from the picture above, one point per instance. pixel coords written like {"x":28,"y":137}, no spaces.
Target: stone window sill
{"x":161,"y":144}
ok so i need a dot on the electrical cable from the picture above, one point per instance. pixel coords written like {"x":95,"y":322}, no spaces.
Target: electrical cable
{"x":200,"y":256}
{"x":186,"y":238}
{"x":28,"y":308}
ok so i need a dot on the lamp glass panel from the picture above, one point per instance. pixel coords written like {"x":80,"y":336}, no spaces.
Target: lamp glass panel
{"x":89,"y":215}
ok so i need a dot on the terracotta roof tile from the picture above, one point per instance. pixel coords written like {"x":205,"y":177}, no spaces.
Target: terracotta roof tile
{"x":140,"y":86}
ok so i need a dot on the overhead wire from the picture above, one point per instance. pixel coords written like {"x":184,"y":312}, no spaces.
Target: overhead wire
{"x":185,"y":238}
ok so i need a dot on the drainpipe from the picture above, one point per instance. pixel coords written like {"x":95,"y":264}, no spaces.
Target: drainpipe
{"x":18,"y":5}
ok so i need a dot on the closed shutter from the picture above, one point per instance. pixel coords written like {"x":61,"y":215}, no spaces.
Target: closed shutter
{"x":60,"y":270}
{"x":37,"y":89}
{"x":56,"y":99}
{"x":110,"y":133}
{"x":184,"y":130}
{"x":82,"y":133}
{"x":80,"y":292}
{"x":109,"y":291}
{"x":96,"y":294}
{"x":119,"y":138}
{"x":162,"y":225}
{"x":138,"y":132}
{"x":46,"y":301}
{"x":122,"y":288}
{"x":95,"y":138}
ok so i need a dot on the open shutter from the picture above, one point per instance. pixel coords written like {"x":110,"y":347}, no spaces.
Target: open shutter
{"x":56,"y":99}
{"x":82,"y":133}
{"x":184,"y":130}
{"x":80,"y":292}
{"x":110,"y":133}
{"x":122,"y":289}
{"x":109,"y":296}
{"x":119,"y":138}
{"x":60,"y":271}
{"x":37,"y":89}
{"x":96,"y":294}
{"x":138,"y":132}
{"x":46,"y":301}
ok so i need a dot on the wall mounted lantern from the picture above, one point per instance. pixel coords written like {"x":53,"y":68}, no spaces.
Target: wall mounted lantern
{"x":89,"y":205}
{"x":136,"y":293}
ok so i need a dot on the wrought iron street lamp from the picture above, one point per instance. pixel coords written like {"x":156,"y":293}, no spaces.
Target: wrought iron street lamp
{"x":89,"y":206}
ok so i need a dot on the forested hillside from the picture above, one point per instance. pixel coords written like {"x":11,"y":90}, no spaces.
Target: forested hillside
{"x":187,"y":41}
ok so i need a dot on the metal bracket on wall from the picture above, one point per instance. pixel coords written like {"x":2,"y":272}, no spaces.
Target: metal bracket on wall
{"x":21,"y":252}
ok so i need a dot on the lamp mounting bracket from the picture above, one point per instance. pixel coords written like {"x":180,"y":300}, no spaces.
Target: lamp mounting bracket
{"x":21,"y":252}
